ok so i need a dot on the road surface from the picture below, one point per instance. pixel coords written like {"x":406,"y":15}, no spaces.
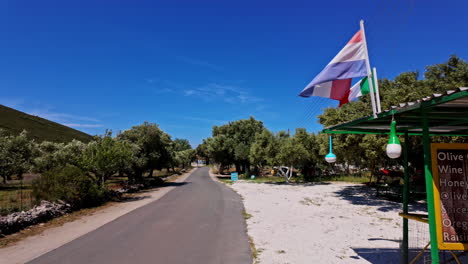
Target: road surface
{"x":200,"y":222}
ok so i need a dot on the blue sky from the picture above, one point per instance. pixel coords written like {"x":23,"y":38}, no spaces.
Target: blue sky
{"x":189,"y":65}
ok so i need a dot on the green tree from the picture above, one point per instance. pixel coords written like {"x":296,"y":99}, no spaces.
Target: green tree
{"x":263,"y":150}
{"x":239,"y":136}
{"x":368,"y":151}
{"x":291,"y":153}
{"x":311,"y":159}
{"x":50,"y":155}
{"x":16,"y":154}
{"x":154,"y":148}
{"x":181,"y":144}
{"x":69,"y":184}
{"x":105,"y":156}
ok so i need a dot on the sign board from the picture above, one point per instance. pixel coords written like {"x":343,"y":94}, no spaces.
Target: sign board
{"x":450,"y":179}
{"x":234,"y":176}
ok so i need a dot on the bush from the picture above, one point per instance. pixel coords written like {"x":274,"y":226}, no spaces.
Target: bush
{"x":69,"y":184}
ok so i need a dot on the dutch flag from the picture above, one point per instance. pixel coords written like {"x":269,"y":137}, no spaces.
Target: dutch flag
{"x":334,"y":81}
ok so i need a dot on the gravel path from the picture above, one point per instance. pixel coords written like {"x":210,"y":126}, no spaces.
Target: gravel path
{"x":321,"y":223}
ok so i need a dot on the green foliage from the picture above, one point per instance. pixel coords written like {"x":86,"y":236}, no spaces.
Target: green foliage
{"x":263,"y":150}
{"x":16,"y":153}
{"x":231,"y":143}
{"x":69,"y":184}
{"x":202,"y":151}
{"x":181,"y":144}
{"x":51,"y":155}
{"x":368,"y":150}
{"x":154,"y":148}
{"x":183,"y":158}
{"x":247,"y":141}
{"x":291,"y":152}
{"x":105,"y":156}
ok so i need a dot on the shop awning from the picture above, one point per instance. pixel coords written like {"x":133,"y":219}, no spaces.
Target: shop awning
{"x":447,"y":115}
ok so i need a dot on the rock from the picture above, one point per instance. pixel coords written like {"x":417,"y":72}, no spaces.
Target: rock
{"x":43,"y":212}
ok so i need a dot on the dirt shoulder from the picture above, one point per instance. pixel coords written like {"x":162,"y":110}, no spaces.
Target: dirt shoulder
{"x":56,"y":236}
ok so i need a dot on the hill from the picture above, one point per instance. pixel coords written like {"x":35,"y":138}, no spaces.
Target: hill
{"x":40,"y":129}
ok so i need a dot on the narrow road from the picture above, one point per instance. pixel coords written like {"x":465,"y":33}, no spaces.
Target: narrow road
{"x":200,"y":222}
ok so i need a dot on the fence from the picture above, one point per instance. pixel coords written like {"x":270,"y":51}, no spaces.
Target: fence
{"x":15,"y":198}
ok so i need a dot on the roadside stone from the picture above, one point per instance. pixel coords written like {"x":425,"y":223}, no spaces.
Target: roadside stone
{"x":43,"y":212}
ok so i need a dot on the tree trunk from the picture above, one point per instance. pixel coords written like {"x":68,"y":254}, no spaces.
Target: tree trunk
{"x":138,"y":176}
{"x":151,"y":172}
{"x":247,"y":169}
{"x":290,"y":173}
{"x":238,"y":167}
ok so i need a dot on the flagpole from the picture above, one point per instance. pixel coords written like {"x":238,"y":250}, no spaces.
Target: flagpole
{"x":377,"y":92}
{"x":369,"y":72}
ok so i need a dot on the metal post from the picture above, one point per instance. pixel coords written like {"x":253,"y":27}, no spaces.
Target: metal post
{"x":429,"y":189}
{"x":369,"y":72}
{"x":377,"y":92}
{"x":405,"y":201}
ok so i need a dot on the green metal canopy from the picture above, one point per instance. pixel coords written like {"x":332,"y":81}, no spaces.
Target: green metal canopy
{"x":447,"y":115}
{"x":437,"y":115}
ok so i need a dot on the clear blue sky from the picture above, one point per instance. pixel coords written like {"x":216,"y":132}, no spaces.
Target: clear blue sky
{"x":189,"y":65}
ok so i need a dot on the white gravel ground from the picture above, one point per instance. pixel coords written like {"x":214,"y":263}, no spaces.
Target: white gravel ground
{"x":321,"y":223}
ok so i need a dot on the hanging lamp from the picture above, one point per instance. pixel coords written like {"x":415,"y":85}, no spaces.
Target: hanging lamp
{"x":393,"y":145}
{"x":330,"y":157}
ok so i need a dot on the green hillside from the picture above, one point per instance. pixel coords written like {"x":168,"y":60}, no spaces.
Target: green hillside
{"x":40,"y":129}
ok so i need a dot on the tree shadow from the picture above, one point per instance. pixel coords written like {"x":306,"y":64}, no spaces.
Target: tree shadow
{"x":384,"y":239}
{"x":303,"y":184}
{"x":379,"y":255}
{"x":134,"y":198}
{"x":176,"y":184}
{"x":364,"y":195}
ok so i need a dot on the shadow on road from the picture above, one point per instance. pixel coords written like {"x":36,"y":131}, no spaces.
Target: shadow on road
{"x":134,"y":198}
{"x":168,"y":184}
{"x":304,"y":184}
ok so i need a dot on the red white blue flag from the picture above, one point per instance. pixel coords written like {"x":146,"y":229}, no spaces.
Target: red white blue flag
{"x":334,"y":81}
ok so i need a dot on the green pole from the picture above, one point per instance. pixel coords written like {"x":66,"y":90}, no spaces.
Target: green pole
{"x":405,"y":201}
{"x":429,"y":189}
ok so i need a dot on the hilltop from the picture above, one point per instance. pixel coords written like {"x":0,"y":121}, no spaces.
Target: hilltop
{"x":40,"y":129}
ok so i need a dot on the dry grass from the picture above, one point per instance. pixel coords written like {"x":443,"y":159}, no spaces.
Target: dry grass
{"x":246,"y":215}
{"x":254,"y":250}
{"x":15,"y":198}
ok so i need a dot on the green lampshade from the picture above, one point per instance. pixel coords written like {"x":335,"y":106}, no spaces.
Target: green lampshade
{"x":393,"y":145}
{"x":393,"y":136}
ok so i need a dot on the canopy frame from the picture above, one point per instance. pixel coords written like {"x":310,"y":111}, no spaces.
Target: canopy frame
{"x":438,"y":115}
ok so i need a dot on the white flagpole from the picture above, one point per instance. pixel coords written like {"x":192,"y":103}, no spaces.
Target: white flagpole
{"x":377,"y":92}
{"x":369,"y":72}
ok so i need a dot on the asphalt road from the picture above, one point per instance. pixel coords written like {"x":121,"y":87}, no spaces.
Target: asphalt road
{"x":200,"y":221}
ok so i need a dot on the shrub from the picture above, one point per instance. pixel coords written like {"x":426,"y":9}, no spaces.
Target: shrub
{"x":71,"y":185}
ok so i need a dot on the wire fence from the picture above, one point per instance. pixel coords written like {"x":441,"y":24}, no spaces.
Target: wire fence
{"x":15,"y":198}
{"x":420,"y":250}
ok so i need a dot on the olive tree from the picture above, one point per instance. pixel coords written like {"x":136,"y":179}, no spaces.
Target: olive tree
{"x":16,"y":154}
